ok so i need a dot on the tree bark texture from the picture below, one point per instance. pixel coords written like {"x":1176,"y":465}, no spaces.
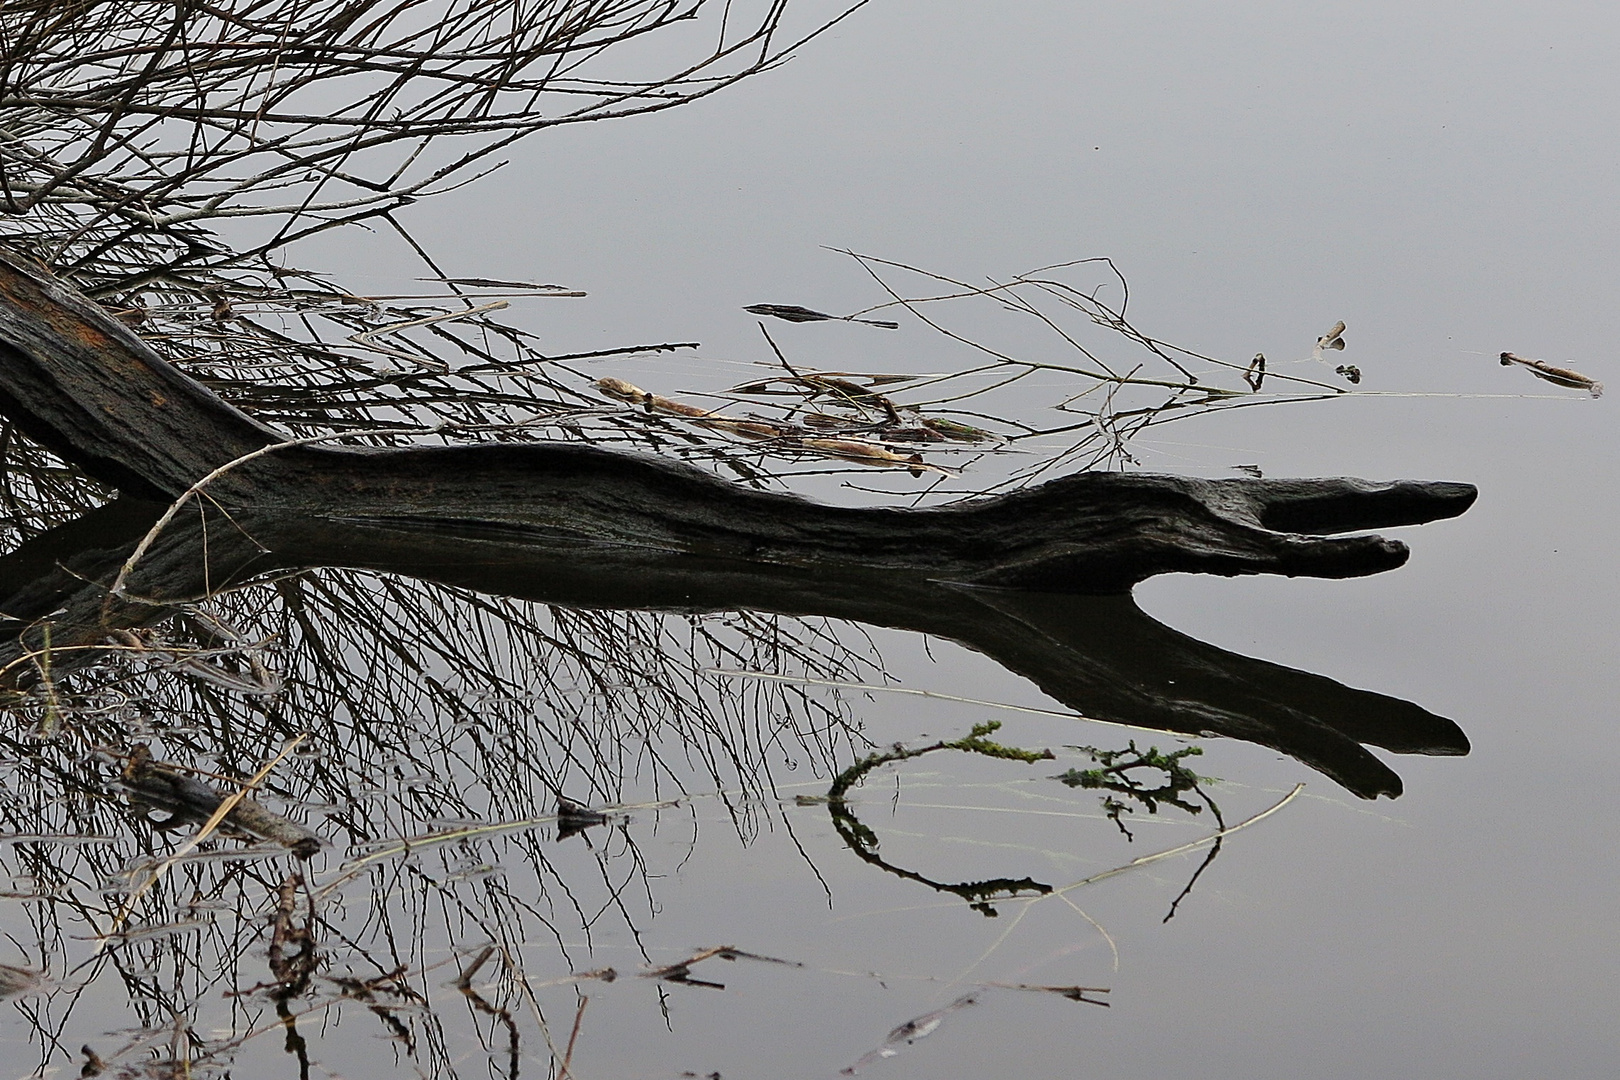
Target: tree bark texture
{"x":82,"y":384}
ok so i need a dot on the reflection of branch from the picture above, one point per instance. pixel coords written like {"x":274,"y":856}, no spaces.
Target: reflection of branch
{"x":864,"y":842}
{"x":1027,"y":904}
{"x":1182,"y":849}
{"x":975,"y":742}
{"x":1114,"y":775}
{"x":291,"y":972}
{"x":464,"y":984}
{"x":681,"y":970}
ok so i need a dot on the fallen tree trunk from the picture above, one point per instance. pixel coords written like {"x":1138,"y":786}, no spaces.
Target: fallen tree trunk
{"x":580,"y":526}
{"x":79,"y":382}
{"x":1099,"y":655}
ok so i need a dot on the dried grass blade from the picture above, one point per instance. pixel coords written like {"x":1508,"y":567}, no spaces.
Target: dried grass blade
{"x":1184,"y":848}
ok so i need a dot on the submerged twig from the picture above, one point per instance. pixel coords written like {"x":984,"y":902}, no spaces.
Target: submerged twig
{"x":226,"y":806}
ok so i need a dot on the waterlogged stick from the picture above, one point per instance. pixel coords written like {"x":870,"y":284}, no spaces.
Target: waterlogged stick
{"x":226,"y":805}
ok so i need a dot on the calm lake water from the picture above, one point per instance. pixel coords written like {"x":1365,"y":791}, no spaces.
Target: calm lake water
{"x":1442,"y":178}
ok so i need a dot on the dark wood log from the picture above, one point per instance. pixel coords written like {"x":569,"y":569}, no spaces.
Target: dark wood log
{"x":82,"y":384}
{"x":580,"y":526}
{"x":1099,"y":655}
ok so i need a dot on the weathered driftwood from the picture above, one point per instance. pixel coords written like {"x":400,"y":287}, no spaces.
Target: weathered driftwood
{"x":78,"y":381}
{"x":579,"y":526}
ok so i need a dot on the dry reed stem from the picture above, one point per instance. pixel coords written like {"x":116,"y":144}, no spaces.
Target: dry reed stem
{"x":568,"y":1055}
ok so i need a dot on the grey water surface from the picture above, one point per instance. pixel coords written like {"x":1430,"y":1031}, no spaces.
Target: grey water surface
{"x":1442,"y":178}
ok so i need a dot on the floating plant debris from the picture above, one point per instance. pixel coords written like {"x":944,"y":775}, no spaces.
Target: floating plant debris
{"x":956,"y":432}
{"x":1114,"y":775}
{"x":681,"y":970}
{"x":631,"y":394}
{"x":861,"y":451}
{"x":870,"y":453}
{"x":166,"y":787}
{"x":820,"y":381}
{"x":795,"y":313}
{"x":1333,"y":339}
{"x":906,"y":1034}
{"x":498,"y":283}
{"x":1073,"y":993}
{"x":1555,"y":375}
{"x":1256,"y":373}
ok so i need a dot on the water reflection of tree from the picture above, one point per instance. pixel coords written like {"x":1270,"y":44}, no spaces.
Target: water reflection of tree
{"x":428,"y":707}
{"x":443,"y":723}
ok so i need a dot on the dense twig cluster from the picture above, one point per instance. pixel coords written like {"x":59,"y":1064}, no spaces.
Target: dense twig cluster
{"x":129,"y":131}
{"x":129,"y":121}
